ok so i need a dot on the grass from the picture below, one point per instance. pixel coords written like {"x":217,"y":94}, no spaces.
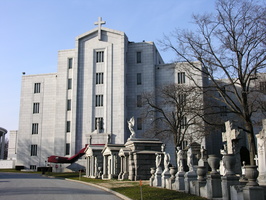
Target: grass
{"x":130,"y":189}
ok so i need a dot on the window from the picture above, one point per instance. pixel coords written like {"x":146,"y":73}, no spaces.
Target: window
{"x":68,"y":126}
{"x":36,"y":107}
{"x":35,"y":128}
{"x":37,"y":87}
{"x":67,"y":148}
{"x":33,"y":167}
{"x":263,"y":86}
{"x":99,"y":56}
{"x":69,"y":84}
{"x":99,"y":100}
{"x":99,"y":78}
{"x":70,"y":63}
{"x":69,"y":104}
{"x":223,"y":111}
{"x":138,"y":78}
{"x":139,"y":101}
{"x":181,"y":77}
{"x":182,"y":99}
{"x":33,"y":150}
{"x":138,"y":57}
{"x":183,"y":123}
{"x":99,"y":123}
{"x":139,"y":123}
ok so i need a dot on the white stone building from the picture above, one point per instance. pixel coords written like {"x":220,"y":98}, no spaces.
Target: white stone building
{"x":88,"y":100}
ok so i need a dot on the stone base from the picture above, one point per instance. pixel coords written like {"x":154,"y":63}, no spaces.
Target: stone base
{"x":165,"y":179}
{"x":179,"y":181}
{"x":189,"y":176}
{"x":157,"y":180}
{"x":228,"y":181}
{"x":214,"y":188}
{"x":253,"y":192}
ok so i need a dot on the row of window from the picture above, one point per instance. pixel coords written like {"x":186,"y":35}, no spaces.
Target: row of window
{"x":100,"y":57}
{"x":34,"y":149}
{"x":100,"y":78}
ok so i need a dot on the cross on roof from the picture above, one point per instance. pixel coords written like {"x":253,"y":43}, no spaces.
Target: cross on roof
{"x":99,"y":23}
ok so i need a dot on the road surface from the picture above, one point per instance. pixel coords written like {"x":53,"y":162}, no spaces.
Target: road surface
{"x":19,"y":186}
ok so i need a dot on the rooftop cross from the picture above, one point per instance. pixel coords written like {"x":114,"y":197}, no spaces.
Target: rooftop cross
{"x":99,"y":23}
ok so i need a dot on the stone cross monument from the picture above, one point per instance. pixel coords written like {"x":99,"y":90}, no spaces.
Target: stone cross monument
{"x":228,"y":136}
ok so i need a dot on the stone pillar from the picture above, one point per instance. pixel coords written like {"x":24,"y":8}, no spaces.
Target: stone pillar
{"x":125,"y":165}
{"x":180,"y":180}
{"x":87,"y":166}
{"x":122,"y":168}
{"x":253,"y":192}
{"x":131,"y":167}
{"x":105,"y":167}
{"x":189,"y":177}
{"x":214,"y":188}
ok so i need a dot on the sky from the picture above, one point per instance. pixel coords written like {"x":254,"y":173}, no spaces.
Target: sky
{"x":33,"y":31}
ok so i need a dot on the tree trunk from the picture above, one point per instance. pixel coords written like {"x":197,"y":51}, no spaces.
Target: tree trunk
{"x":251,"y":141}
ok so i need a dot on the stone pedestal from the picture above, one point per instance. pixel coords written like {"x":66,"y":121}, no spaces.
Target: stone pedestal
{"x":214,"y":188}
{"x":158,"y":177}
{"x":189,"y":176}
{"x":165,"y":179}
{"x":253,"y":192}
{"x":180,"y":181}
{"x":228,"y":181}
{"x":201,"y":188}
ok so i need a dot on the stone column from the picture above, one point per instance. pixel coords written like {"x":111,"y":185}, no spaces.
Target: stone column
{"x":105,"y":163}
{"x":125,"y":174}
{"x":214,"y":188}
{"x":122,"y":168}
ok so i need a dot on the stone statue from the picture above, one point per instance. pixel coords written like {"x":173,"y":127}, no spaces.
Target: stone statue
{"x":203,"y":154}
{"x":180,"y":158}
{"x":158,"y":160}
{"x":131,"y":124}
{"x":166,"y":160}
{"x":190,"y":159}
{"x":163,"y":148}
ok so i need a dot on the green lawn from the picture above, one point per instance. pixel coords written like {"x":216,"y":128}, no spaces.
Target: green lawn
{"x":130,"y":189}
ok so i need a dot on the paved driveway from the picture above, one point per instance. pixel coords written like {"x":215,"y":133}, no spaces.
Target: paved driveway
{"x":19,"y":186}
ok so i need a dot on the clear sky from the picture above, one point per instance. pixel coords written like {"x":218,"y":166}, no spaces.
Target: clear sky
{"x":33,"y":31}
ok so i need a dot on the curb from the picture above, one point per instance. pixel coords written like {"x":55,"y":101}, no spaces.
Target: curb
{"x":103,"y":188}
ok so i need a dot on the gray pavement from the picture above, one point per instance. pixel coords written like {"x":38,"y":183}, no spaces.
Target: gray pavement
{"x":19,"y":186}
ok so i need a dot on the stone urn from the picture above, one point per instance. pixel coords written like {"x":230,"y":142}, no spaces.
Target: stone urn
{"x":229,"y":164}
{"x":201,"y":171}
{"x":152,"y":172}
{"x":214,"y":163}
{"x":251,"y":173}
{"x":172,"y":172}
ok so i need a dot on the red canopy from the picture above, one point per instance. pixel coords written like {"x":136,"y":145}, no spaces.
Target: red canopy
{"x":60,"y":159}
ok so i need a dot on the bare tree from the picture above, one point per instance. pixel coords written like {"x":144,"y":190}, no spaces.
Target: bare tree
{"x":230,"y":44}
{"x":175,"y":109}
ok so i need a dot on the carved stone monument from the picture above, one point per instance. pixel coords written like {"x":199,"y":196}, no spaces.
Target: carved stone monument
{"x":261,"y":144}
{"x":231,"y":137}
{"x":166,"y":173}
{"x":131,"y":124}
